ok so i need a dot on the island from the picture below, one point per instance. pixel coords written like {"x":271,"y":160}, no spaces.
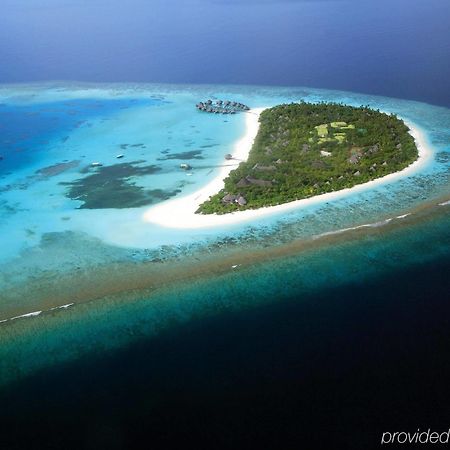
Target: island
{"x":303,"y":150}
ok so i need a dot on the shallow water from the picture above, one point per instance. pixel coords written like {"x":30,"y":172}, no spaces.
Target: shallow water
{"x":347,"y":336}
{"x":308,"y":291}
{"x":53,"y":188}
{"x":62,"y":218}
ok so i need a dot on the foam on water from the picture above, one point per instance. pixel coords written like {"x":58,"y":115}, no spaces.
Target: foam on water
{"x":101,"y":326}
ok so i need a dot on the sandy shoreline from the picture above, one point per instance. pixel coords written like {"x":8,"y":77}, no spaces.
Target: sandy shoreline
{"x":180,"y":213}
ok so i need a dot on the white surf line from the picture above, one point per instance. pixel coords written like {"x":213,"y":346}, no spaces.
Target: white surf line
{"x":23,"y":316}
{"x":357,"y":227}
{"x":37,"y":313}
{"x":31,"y":314}
{"x":365,"y":225}
{"x":62,"y":306}
{"x":180,"y":213}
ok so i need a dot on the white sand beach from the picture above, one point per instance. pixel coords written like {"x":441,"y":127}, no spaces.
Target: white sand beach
{"x":180,"y":212}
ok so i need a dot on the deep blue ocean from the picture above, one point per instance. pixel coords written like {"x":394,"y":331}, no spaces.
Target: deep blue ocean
{"x":396,"y":48}
{"x":321,"y":348}
{"x":284,"y":354}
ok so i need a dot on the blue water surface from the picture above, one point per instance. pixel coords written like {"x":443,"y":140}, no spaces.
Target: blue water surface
{"x":27,"y":128}
{"x":397,"y":48}
{"x":320,"y":349}
{"x":158,"y":127}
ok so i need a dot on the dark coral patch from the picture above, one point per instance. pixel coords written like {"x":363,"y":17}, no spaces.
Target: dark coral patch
{"x":56,"y":169}
{"x":442,"y":157}
{"x":193,"y":154}
{"x":110,"y":187}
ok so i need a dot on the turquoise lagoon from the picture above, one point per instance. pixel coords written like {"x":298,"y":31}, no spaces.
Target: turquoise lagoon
{"x":61,"y":218}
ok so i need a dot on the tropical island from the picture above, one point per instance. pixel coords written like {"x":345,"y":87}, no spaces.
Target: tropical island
{"x":304,"y":149}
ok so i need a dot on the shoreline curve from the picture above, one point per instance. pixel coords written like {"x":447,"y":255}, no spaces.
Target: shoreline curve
{"x":180,"y":213}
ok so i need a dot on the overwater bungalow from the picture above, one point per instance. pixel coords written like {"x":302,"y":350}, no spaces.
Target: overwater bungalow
{"x":221,"y":106}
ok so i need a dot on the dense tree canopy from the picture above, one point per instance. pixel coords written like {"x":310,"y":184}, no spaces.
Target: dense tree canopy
{"x":305,"y":149}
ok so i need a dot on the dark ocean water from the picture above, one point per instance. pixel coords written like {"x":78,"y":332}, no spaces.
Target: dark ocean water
{"x":397,"y":48}
{"x":312,"y":364}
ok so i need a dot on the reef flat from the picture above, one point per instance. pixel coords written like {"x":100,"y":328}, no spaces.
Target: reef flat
{"x":74,"y":236}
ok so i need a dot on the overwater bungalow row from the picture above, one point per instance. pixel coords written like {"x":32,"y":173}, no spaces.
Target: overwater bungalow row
{"x":221,"y":107}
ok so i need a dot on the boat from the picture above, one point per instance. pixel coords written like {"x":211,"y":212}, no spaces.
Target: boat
{"x":185,"y":166}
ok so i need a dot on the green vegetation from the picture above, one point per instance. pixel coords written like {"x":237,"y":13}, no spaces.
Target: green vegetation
{"x":305,"y":149}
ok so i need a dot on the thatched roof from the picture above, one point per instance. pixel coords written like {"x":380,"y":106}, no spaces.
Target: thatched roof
{"x":241,"y":201}
{"x":243,"y":182}
{"x":258,"y":182}
{"x":247,"y":181}
{"x":229,"y":198}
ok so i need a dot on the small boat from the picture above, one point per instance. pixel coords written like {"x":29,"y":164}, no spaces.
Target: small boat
{"x":96,"y":164}
{"x":119,"y":156}
{"x":185,"y":166}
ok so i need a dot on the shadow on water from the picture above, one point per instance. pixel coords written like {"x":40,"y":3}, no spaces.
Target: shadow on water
{"x":333,"y":369}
